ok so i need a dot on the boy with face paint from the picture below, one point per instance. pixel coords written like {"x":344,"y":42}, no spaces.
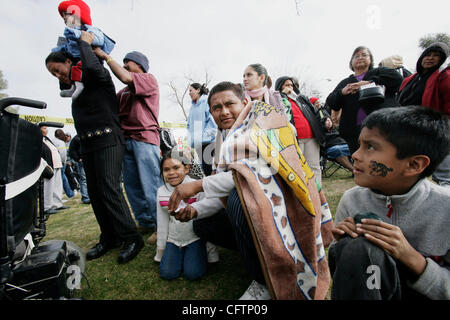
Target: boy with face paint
{"x":404,"y":254}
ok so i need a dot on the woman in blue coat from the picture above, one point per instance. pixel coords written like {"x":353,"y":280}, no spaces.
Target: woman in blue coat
{"x":201,"y":126}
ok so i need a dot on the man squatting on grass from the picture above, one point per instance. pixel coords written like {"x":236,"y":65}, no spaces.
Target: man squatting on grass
{"x":226,"y":101}
{"x":404,"y":253}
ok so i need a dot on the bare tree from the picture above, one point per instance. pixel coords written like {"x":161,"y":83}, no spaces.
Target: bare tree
{"x":304,"y":78}
{"x":427,"y":40}
{"x":206,"y":82}
{"x":179,"y":92}
{"x":307,"y":87}
{"x":3,"y":85}
{"x":178,"y":96}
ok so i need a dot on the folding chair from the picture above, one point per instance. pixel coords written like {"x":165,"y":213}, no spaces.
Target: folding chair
{"x":330,"y":166}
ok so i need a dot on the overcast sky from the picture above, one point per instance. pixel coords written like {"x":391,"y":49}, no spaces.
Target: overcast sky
{"x":311,"y":39}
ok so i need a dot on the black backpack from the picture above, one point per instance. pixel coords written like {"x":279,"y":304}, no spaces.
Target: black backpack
{"x":166,"y":140}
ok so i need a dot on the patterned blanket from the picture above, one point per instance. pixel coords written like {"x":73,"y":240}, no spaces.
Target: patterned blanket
{"x":281,"y":202}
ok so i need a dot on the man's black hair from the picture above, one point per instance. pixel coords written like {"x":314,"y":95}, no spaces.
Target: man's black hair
{"x":414,"y":130}
{"x":225,"y":86}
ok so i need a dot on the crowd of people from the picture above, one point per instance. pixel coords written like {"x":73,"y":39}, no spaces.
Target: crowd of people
{"x":266,"y":202}
{"x":63,"y":154}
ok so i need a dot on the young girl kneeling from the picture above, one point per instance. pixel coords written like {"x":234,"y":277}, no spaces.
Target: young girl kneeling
{"x":179,"y":249}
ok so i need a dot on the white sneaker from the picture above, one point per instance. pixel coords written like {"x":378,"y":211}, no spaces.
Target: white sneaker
{"x":256,"y":291}
{"x":213,"y":253}
{"x":79,"y":86}
{"x":67,"y":93}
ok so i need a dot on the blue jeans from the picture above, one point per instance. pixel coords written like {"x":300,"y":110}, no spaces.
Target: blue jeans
{"x":442,"y":173}
{"x":81,"y":177}
{"x":141,"y":178}
{"x":190,"y":259}
{"x":337,"y":151}
{"x":66,"y":186}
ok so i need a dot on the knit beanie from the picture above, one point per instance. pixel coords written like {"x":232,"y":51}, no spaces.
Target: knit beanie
{"x":138,"y":58}
{"x":78,"y":8}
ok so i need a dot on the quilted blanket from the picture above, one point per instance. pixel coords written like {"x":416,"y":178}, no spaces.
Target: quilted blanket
{"x":281,"y":202}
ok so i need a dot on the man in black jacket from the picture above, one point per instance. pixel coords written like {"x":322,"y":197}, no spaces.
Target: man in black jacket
{"x":306,"y":120}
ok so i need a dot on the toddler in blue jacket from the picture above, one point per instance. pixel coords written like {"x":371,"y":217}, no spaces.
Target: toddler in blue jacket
{"x":76,"y":15}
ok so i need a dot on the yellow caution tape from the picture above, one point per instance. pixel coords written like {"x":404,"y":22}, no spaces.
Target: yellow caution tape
{"x":35,"y":119}
{"x":172,"y":125}
{"x":69,"y":121}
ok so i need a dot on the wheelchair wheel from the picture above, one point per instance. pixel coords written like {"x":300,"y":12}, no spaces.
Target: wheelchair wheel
{"x":75,"y":254}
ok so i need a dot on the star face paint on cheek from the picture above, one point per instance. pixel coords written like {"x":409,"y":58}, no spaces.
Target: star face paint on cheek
{"x":379,"y":169}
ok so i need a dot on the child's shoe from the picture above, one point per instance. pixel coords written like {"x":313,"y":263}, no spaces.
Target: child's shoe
{"x":67,"y":93}
{"x":158,"y":255}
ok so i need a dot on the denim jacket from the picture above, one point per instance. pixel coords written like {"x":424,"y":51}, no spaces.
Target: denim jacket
{"x":72,"y":36}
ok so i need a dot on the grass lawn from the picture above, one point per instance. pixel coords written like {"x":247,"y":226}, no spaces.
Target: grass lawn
{"x":139,"y":279}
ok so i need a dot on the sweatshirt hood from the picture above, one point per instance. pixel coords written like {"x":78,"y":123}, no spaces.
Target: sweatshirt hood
{"x":281,"y":80}
{"x":440,"y":47}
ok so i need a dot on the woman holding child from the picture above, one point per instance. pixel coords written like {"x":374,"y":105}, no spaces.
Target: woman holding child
{"x":95,"y":113}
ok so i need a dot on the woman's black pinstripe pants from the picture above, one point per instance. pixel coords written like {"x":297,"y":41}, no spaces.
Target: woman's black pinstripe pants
{"x":103,"y":174}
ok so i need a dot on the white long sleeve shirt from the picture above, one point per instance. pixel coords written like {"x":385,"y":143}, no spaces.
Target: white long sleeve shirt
{"x":181,"y":233}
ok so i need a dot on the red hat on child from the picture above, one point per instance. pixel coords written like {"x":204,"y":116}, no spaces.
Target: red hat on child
{"x":313,"y":99}
{"x":78,"y":8}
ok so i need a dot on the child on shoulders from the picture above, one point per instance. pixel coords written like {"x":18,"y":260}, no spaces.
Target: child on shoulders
{"x":77,"y":18}
{"x":400,"y":249}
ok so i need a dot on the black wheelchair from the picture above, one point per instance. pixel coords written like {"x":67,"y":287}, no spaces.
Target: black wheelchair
{"x":30,"y":268}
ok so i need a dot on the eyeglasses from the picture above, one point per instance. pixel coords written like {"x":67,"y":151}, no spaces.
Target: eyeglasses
{"x":362,"y":55}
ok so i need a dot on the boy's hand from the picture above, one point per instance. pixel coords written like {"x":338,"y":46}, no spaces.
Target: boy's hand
{"x":87,"y":37}
{"x":391,"y":239}
{"x":186,"y":214}
{"x":347,"y":226}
